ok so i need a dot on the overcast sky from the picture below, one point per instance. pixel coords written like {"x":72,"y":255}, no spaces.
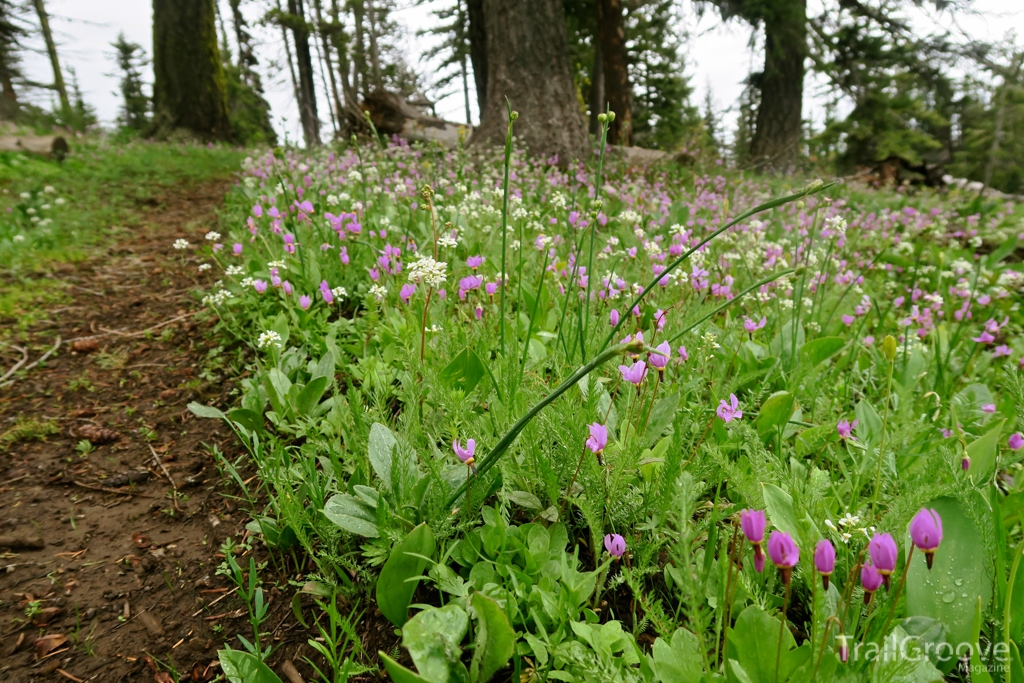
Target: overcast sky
{"x":718,"y":56}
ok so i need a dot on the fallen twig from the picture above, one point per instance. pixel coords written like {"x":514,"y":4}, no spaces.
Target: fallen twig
{"x":29,"y":366}
{"x":24,"y":359}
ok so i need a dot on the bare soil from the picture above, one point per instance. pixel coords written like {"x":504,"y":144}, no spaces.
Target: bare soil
{"x":108,"y":558}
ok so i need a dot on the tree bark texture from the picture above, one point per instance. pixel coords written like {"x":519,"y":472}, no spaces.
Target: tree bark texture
{"x":307,"y":86}
{"x":778,"y":126}
{"x":611,"y":33}
{"x":51,"y":50}
{"x":596,"y":98}
{"x":528,"y":62}
{"x":188,"y":88}
{"x":478,"y":49}
{"x":9,"y":98}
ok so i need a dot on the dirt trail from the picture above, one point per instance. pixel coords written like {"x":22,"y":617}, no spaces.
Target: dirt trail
{"x":110,"y":555}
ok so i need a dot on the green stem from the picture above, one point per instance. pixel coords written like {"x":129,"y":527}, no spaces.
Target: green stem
{"x":499,"y":449}
{"x":504,"y":219}
{"x":881,"y":441}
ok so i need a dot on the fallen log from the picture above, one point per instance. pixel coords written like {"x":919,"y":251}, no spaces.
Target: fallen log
{"x":48,"y":146}
{"x":393,"y":115}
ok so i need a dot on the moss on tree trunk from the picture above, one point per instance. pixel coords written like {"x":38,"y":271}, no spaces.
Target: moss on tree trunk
{"x":189,"y":88}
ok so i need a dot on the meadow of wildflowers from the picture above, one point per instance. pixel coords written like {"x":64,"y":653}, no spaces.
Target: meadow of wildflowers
{"x":606,"y":424}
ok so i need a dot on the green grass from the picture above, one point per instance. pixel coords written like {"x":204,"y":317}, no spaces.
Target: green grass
{"x":100,"y":186}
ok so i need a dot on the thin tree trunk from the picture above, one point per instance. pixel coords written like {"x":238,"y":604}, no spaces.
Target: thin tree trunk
{"x":611,"y":32}
{"x":371,"y":15}
{"x":307,"y":86}
{"x":596,"y":99}
{"x":776,"y":140}
{"x":462,"y":23}
{"x":530,"y":66}
{"x":341,"y":47}
{"x":997,"y":132}
{"x":188,"y":86}
{"x":478,"y":49}
{"x":238,"y":23}
{"x":9,"y":98}
{"x":324,"y":70}
{"x":318,"y":6}
{"x":361,"y":78}
{"x":51,"y":49}
{"x":291,"y":61}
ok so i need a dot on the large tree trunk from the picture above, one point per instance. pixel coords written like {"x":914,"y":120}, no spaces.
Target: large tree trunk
{"x":611,"y":33}
{"x":478,"y":49}
{"x":778,"y":128}
{"x":188,"y":88}
{"x":528,"y":62}
{"x":51,"y":50}
{"x":307,"y":86}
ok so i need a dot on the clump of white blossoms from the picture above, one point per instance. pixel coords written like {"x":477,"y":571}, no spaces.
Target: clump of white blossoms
{"x":213,"y":236}
{"x":204,"y":266}
{"x":181,"y":243}
{"x":428,"y":271}
{"x":234,"y":270}
{"x":378,"y":292}
{"x":447,"y":241}
{"x":268,"y":339}
{"x":277,"y":264}
{"x":216,"y":298}
{"x":340,"y":293}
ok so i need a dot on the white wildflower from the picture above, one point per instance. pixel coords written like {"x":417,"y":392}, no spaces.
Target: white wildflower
{"x":379,"y":292}
{"x":428,"y":271}
{"x":204,"y":267}
{"x":278,"y":264}
{"x":269,"y":338}
{"x":19,"y":238}
{"x":212,"y":236}
{"x":181,"y":244}
{"x":234,"y":270}
{"x":447,"y":241}
{"x":340,"y":293}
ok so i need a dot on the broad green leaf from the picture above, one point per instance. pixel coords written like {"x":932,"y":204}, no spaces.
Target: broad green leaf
{"x":325,"y":368}
{"x":352,"y":515}
{"x":869,"y":423}
{"x":464,"y":371}
{"x":495,"y":639}
{"x":398,"y":673}
{"x":310,"y":395}
{"x":280,"y":325}
{"x":983,"y":453}
{"x":208,"y":412}
{"x":812,"y":439}
{"x":979,"y":674}
{"x":243,"y":667}
{"x":381,"y":450}
{"x":661,"y":417}
{"x":933,"y":638}
{"x":249,"y":419}
{"x":754,"y":643}
{"x":960,"y":574}
{"x":781,"y":514}
{"x":1014,"y":608}
{"x":775,"y":411}
{"x":433,"y":638}
{"x":525,"y":499}
{"x":913,"y":667}
{"x":678,"y":661}
{"x":821,"y":349}
{"x":398,"y":579}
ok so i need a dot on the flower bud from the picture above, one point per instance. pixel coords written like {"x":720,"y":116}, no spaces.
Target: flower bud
{"x":602,"y":117}
{"x":889,"y":348}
